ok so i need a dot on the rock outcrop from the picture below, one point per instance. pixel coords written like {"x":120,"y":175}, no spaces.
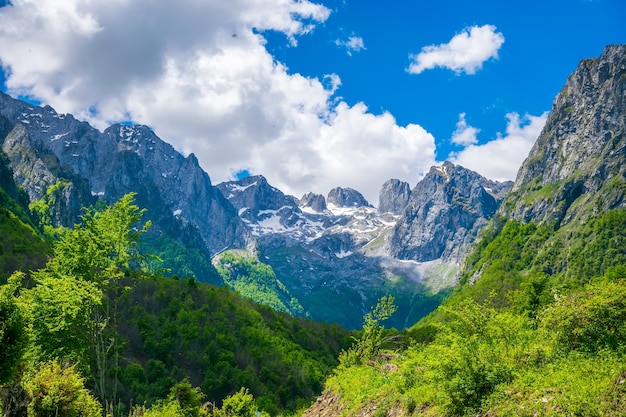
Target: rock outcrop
{"x":346,"y":197}
{"x":47,"y":149}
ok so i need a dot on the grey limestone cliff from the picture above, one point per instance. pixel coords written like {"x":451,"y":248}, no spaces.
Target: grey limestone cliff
{"x":44,"y":147}
{"x":315,"y":202}
{"x":447,"y":209}
{"x":581,"y":150}
{"x":346,"y":197}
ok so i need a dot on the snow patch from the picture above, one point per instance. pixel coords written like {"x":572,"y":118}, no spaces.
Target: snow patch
{"x":241,"y":188}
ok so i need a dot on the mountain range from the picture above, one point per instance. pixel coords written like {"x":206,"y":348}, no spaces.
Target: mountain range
{"x":517,"y":288}
{"x":334,"y":255}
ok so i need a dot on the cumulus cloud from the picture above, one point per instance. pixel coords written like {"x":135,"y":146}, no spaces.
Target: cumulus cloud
{"x":464,"y":134}
{"x":501,"y":158}
{"x":466,"y":52}
{"x":199,"y":74}
{"x":352,"y":44}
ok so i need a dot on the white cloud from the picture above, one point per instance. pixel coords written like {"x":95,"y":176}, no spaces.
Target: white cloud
{"x":464,"y":134}
{"x":466,"y":52}
{"x":199,"y":74}
{"x":352,"y":44}
{"x":501,"y":158}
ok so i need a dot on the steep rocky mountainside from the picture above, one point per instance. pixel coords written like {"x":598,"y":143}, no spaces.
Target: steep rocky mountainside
{"x":535,"y":326}
{"x":394,"y":197}
{"x":444,"y":213}
{"x":580,"y":152}
{"x":44,"y":147}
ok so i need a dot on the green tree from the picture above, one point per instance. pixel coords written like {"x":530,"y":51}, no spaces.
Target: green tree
{"x":240,"y":404}
{"x":14,"y":341}
{"x":373,"y":337}
{"x":189,"y":398}
{"x":75,"y":300}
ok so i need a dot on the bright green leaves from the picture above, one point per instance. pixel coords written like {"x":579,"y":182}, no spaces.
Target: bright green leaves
{"x":63,"y":311}
{"x":104,"y":245}
{"x":257,"y":281}
{"x":373,"y":337}
{"x":240,"y":404}
{"x":477,"y":349}
{"x":590,"y":319}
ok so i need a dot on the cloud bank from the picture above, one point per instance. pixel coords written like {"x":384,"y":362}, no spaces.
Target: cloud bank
{"x":199,"y":75}
{"x":466,"y":52}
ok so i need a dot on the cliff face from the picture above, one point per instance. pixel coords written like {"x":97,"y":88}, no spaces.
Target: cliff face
{"x":394,"y":196}
{"x":446,"y":210}
{"x":580,"y":151}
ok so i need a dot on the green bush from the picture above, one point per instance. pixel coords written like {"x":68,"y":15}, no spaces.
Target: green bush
{"x":590,"y":319}
{"x":59,"y":391}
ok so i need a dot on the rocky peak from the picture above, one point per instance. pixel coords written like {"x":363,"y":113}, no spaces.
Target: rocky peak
{"x":394,"y":197}
{"x":446,"y":210}
{"x":315,"y":202}
{"x":255,"y":194}
{"x":346,"y":197}
{"x":581,"y":149}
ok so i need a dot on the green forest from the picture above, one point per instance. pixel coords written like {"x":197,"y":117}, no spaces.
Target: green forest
{"x":95,"y":331}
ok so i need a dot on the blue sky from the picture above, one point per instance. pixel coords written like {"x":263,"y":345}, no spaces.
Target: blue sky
{"x":312,"y":94}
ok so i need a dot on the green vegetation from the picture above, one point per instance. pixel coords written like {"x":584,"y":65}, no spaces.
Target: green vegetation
{"x":536,"y":327}
{"x":21,"y":245}
{"x":89,"y":333}
{"x":172,"y":258}
{"x":257,"y":281}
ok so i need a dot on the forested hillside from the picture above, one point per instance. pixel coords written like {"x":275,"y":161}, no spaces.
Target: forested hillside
{"x":537,"y":324}
{"x":93,"y":330}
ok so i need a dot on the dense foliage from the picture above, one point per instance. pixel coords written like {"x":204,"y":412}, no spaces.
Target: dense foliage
{"x":257,"y":281}
{"x":221,"y":342}
{"x":90,"y":333}
{"x":21,"y":245}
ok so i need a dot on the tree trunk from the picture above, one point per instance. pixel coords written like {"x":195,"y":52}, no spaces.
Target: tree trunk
{"x":15,"y":400}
